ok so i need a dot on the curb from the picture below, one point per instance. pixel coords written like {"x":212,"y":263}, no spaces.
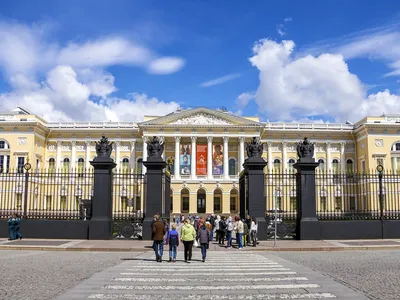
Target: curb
{"x":277,"y":249}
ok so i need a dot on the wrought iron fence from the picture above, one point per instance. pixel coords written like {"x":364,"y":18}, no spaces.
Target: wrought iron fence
{"x":45,"y":194}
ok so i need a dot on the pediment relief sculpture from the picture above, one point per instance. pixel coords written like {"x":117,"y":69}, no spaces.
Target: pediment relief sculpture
{"x":201,"y":119}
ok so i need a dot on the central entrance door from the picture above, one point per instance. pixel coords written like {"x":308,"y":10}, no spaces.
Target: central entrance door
{"x":201,"y":201}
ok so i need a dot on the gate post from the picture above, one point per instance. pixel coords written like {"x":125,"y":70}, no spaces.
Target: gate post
{"x":154,"y":185}
{"x":100,"y":226}
{"x":308,"y":227}
{"x":252,"y":187}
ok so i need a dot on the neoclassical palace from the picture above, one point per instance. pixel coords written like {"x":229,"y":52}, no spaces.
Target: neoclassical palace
{"x":204,"y":149}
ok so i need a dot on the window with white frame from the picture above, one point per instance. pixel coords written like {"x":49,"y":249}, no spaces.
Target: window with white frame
{"x":321,"y":165}
{"x":139,"y":166}
{"x":125,"y":165}
{"x":395,"y":157}
{"x":277,"y":165}
{"x":52,"y":165}
{"x":65,"y":166}
{"x":291,"y":162}
{"x":232,"y":167}
{"x":20,"y":164}
{"x":335,"y":166}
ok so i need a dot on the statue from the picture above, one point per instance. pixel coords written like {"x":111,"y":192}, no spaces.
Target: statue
{"x":104,"y":148}
{"x":254,"y":148}
{"x":155,"y":148}
{"x":305,"y":149}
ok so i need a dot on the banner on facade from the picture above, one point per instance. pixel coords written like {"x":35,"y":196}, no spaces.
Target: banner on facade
{"x":201,"y":159}
{"x":185,"y":159}
{"x":217,"y":160}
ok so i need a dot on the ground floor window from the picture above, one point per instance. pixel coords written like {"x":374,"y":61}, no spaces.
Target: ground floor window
{"x":19,"y":201}
{"x":63,"y":202}
{"x":322,"y":203}
{"x":20,"y":164}
{"x":233,"y":204}
{"x":185,"y":203}
{"x":217,"y":203}
{"x":352,"y":201}
{"x":124,"y":203}
{"x":48,"y":202}
{"x":338,"y":203}
{"x":293,"y":203}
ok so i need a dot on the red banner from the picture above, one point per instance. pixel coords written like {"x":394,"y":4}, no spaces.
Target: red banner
{"x":201,"y":159}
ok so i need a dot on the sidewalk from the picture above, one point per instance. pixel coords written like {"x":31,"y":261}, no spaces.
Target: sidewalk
{"x":143,"y":246}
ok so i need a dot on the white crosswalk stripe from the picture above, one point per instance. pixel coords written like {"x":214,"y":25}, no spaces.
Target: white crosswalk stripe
{"x":223,"y":276}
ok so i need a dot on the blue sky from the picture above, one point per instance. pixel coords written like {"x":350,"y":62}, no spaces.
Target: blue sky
{"x":281,"y":60}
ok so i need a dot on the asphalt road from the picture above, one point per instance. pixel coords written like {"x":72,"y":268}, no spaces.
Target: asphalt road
{"x":44,"y":274}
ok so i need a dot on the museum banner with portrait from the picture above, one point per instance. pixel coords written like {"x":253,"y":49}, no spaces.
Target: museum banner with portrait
{"x":201,"y":159}
{"x":217,"y":160}
{"x":185,"y":159}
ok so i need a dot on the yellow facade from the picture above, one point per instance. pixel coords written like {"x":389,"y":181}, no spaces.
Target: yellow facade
{"x":60,"y":147}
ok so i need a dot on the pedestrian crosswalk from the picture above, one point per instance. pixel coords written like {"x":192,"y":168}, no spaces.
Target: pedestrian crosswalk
{"x":224,"y":276}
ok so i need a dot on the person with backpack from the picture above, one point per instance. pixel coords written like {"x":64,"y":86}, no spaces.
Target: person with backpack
{"x":203,"y":235}
{"x":173,"y":242}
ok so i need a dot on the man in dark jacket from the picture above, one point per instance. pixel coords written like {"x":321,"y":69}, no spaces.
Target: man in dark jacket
{"x":158,"y":237}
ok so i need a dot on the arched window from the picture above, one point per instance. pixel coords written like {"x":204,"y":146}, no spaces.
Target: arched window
{"x":396,"y":147}
{"x":52,"y":165}
{"x":125,"y":165}
{"x":321,"y":164}
{"x":335,"y":166}
{"x":139,"y":166}
{"x":81,"y":166}
{"x":232,"y":167}
{"x":277,"y":165}
{"x":66,"y":164}
{"x":349,"y":166}
{"x":291,"y":162}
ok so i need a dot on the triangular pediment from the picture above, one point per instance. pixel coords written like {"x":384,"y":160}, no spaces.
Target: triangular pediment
{"x":200,"y":117}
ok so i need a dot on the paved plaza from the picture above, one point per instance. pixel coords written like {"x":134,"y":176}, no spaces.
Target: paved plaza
{"x":229,"y":274}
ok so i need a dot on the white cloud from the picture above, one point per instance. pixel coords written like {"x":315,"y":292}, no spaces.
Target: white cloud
{"x":382,"y":43}
{"x":294,"y":88}
{"x":221,"y":80}
{"x":280,"y":28}
{"x":166,"y":65}
{"x":244,"y":99}
{"x":70,"y":83}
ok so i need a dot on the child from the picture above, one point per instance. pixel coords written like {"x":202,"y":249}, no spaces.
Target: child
{"x":173,"y":241}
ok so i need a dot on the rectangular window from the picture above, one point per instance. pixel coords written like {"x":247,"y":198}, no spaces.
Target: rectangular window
{"x":293,"y":203}
{"x":279,"y":202}
{"x":217,"y":204}
{"x":19,"y":201}
{"x":363,"y":166}
{"x":322,"y":203}
{"x":233,"y":204}
{"x":185,"y":203}
{"x":2,"y":144}
{"x":352,"y":201}
{"x":138,"y":203}
{"x":8,"y":164}
{"x":48,"y":203}
{"x":2,"y":163}
{"x":20,"y":164}
{"x":338,"y":203}
{"x":63,"y":202}
{"x":124,"y":203}
{"x":77,"y":202}
{"x":398,"y":147}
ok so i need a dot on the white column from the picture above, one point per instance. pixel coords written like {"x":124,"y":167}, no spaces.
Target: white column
{"x":87,"y":163}
{"x":284,"y":156}
{"x":226,"y":158}
{"x":118,"y":155}
{"x":193,"y":158}
{"x":5,"y":164}
{"x":162,"y":139}
{"x":58,"y":157}
{"x":241,"y":153}
{"x":328,"y":156}
{"x":342,"y":157}
{"x":144,"y":156}
{"x":176,"y":159}
{"x":269,"y":157}
{"x":73,"y":155}
{"x":133,"y":158}
{"x":209,"y":157}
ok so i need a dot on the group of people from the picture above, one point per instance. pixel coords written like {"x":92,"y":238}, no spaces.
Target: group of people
{"x":197,"y":231}
{"x":13,"y":227}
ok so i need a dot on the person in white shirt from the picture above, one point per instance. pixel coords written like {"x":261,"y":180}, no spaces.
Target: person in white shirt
{"x":253,"y":232}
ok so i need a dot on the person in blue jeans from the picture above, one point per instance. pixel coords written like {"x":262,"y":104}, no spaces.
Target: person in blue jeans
{"x":229,"y":229}
{"x":173,"y":242}
{"x":11,"y":227}
{"x":203,"y":235}
{"x":158,"y":237}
